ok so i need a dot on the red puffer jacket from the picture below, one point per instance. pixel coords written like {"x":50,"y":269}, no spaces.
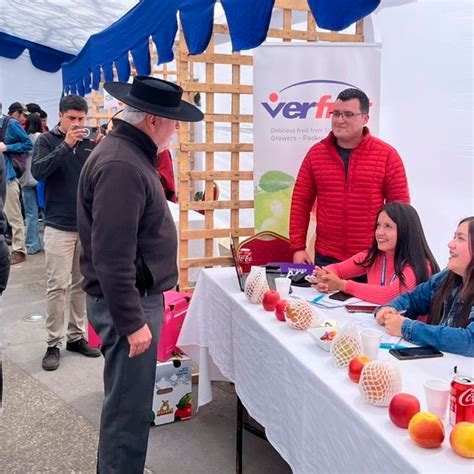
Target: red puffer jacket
{"x":346,"y":207}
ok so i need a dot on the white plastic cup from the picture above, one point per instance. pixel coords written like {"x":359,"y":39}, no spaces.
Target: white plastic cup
{"x":371,"y":339}
{"x":282,"y":285}
{"x":437,"y":393}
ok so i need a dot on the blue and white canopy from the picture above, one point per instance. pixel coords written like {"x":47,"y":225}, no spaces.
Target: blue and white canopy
{"x":89,"y":37}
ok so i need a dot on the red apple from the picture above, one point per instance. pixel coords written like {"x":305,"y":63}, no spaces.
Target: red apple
{"x":402,"y":408}
{"x":356,"y":365}
{"x":270,"y":299}
{"x":280,"y":309}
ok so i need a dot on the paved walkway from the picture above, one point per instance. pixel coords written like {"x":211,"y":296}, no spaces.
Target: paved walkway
{"x":50,"y":419}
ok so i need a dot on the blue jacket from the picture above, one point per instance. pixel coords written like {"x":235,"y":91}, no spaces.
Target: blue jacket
{"x":17,"y":141}
{"x":444,"y":336}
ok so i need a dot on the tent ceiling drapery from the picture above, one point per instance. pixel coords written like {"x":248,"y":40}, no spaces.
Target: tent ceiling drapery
{"x":248,"y":27}
{"x":54,"y":31}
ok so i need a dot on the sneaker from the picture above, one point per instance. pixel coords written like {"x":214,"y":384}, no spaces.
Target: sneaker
{"x":83,"y":348}
{"x":17,"y":257}
{"x":51,"y":359}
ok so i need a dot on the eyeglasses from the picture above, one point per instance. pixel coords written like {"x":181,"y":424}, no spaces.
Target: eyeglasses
{"x":346,"y":115}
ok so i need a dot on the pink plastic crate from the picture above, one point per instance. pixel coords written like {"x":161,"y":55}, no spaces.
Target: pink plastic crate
{"x":176,"y":307}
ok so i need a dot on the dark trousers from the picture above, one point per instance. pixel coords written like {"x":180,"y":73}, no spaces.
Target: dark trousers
{"x":128,"y":389}
{"x":4,"y":264}
{"x":322,"y":260}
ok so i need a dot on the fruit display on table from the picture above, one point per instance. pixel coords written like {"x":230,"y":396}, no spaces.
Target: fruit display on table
{"x":402,"y":408}
{"x":356,"y":365}
{"x":256,"y":285}
{"x":270,"y":300}
{"x":280,"y":310}
{"x":379,"y":382}
{"x":344,"y":348}
{"x":426,"y":430}
{"x":462,"y":439}
{"x":299,"y":315}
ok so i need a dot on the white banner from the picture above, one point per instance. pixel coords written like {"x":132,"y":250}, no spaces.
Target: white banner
{"x":295,"y":87}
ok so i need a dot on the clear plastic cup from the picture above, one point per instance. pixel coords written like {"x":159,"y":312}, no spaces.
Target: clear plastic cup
{"x":437,"y":396}
{"x":282,"y":285}
{"x":371,"y":339}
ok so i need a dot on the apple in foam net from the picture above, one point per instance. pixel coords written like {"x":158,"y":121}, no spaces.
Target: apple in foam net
{"x":403,"y":407}
{"x":356,"y":365}
{"x":280,"y":309}
{"x":270,"y":300}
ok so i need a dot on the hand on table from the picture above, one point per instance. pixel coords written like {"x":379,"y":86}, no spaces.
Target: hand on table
{"x":139,"y":341}
{"x":393,"y":324}
{"x":327,"y":281}
{"x":302,"y":257}
{"x":383,"y":312}
{"x":3,"y":147}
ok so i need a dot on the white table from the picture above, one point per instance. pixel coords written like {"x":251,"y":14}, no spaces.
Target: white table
{"x":313,"y":414}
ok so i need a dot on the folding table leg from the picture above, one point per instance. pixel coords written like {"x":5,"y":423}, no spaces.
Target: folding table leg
{"x":239,"y":436}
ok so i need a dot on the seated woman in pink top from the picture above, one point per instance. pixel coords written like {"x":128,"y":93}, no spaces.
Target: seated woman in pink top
{"x":398,"y":260}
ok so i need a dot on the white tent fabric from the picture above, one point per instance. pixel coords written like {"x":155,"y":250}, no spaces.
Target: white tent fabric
{"x":64,"y":25}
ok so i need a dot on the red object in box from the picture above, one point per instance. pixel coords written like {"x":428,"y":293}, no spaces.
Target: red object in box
{"x":176,"y":307}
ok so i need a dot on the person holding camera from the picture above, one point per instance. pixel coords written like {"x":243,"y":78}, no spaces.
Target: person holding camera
{"x":58,"y":158}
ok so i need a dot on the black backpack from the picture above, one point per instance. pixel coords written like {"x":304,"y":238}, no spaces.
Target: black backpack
{"x":18,"y":159}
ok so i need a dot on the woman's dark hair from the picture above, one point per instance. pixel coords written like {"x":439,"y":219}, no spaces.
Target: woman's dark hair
{"x":33,"y":124}
{"x":412,"y":248}
{"x":451,"y":281}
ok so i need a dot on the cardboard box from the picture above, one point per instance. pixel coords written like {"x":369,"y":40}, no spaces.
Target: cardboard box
{"x":172,"y":396}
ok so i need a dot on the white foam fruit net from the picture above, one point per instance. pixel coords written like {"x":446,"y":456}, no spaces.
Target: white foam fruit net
{"x":299,"y":315}
{"x":256,"y":285}
{"x":346,"y":345}
{"x":379,"y":381}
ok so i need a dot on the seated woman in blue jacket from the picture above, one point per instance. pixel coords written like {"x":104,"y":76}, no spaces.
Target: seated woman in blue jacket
{"x":447,"y":298}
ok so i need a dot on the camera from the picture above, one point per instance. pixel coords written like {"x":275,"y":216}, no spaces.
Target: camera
{"x":90,"y":133}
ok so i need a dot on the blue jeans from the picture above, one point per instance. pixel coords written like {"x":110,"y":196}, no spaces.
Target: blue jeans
{"x":30,"y":203}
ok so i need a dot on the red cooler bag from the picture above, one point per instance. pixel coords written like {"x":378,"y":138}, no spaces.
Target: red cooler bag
{"x":176,"y":306}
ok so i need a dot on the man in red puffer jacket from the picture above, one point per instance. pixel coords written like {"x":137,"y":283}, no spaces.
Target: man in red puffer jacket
{"x":351,"y":174}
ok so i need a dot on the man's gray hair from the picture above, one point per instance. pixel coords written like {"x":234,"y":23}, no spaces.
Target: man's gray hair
{"x":132,"y":115}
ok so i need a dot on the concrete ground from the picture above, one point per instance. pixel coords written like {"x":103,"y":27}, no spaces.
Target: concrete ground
{"x":50,"y":420}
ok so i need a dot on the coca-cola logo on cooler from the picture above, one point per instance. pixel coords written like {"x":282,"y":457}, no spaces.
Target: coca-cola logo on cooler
{"x":467,"y":398}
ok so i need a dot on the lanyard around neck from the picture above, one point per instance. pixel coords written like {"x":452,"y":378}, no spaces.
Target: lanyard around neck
{"x":384,"y":267}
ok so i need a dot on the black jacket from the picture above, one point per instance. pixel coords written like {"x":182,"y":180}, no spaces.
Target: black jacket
{"x":129,"y":243}
{"x":59,"y":165}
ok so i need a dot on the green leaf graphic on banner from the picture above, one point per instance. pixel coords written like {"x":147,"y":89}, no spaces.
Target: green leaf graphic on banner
{"x":273,"y":181}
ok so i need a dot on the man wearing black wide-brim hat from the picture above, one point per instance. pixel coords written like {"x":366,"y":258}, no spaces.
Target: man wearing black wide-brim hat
{"x":129,"y":259}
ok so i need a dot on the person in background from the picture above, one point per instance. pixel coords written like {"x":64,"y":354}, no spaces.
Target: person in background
{"x":352,"y":175}
{"x":447,"y":298}
{"x":28,"y":185}
{"x":398,"y":259}
{"x":44,"y":120}
{"x":58,"y":158}
{"x":129,"y":259}
{"x":4,"y":252}
{"x":165,"y":170}
{"x":33,"y":108}
{"x":14,"y":143}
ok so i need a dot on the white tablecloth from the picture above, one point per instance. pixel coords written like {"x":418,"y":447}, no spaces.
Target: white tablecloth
{"x":313,"y":414}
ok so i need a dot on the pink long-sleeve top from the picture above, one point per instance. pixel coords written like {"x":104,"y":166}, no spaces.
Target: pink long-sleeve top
{"x":373,"y":291}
